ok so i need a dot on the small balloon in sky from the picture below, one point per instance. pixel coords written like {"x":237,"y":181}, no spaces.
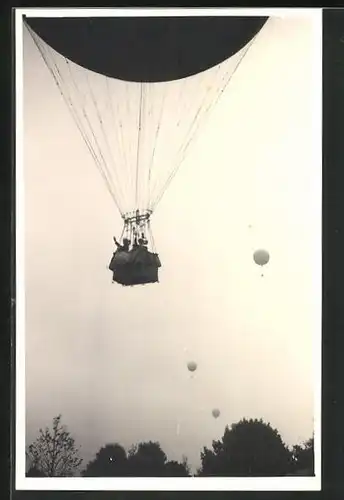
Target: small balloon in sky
{"x":216,"y":412}
{"x":192,"y":366}
{"x":261,"y":257}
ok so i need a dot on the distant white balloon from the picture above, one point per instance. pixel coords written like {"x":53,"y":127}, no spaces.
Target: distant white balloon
{"x":192,"y":366}
{"x":216,"y":412}
{"x":261,"y":257}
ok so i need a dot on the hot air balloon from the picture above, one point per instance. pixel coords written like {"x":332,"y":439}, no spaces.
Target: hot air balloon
{"x":216,"y":412}
{"x":261,"y":257}
{"x":138,"y":89}
{"x":192,"y":366}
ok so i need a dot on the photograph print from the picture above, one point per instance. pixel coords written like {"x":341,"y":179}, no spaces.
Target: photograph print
{"x":168,"y":232}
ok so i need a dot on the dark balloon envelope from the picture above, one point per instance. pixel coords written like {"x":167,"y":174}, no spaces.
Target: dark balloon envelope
{"x":149,"y":49}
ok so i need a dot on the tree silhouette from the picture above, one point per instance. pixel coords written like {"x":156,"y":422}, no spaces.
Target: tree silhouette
{"x":111,"y":461}
{"x":176,"y":469}
{"x":185,"y":464}
{"x":303,"y":458}
{"x":34,"y":472}
{"x":248,"y":448}
{"x":54,"y":453}
{"x":147,"y":459}
{"x":143,"y":459}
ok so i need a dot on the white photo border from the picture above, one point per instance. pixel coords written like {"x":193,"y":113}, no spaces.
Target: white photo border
{"x":143,"y":483}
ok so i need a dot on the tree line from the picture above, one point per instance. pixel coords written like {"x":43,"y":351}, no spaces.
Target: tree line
{"x":250,"y":447}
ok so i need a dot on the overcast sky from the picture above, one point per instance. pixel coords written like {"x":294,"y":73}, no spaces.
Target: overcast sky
{"x":113,"y":360}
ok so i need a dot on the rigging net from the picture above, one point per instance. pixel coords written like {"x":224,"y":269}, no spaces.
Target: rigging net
{"x":138,"y":133}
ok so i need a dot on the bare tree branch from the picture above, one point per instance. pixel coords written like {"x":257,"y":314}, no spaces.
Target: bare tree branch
{"x":54,"y":452}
